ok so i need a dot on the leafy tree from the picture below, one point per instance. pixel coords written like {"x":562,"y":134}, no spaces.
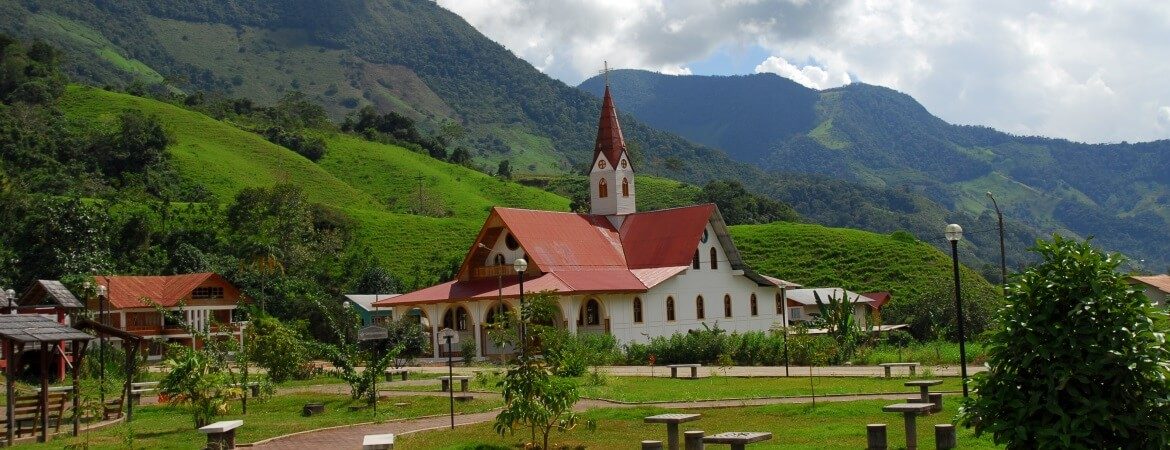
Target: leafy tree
{"x":739,"y":206}
{"x":504,"y":170}
{"x":1079,"y":359}
{"x":277,"y":348}
{"x":376,"y":280}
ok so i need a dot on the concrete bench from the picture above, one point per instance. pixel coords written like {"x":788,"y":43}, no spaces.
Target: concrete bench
{"x":144,"y":387}
{"x":910,"y":412}
{"x":391,"y":372}
{"x":222,"y":434}
{"x":694,"y":369}
{"x":464,"y":382}
{"x":737,"y":439}
{"x":378,"y":442}
{"x":312,"y":408}
{"x":913,"y":366}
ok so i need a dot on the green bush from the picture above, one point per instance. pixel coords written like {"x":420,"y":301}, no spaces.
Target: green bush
{"x":1079,"y":359}
{"x":278,"y":349}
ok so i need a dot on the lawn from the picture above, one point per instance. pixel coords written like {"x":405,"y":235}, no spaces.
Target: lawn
{"x":825,"y":426}
{"x":163,"y":427}
{"x":657,"y":389}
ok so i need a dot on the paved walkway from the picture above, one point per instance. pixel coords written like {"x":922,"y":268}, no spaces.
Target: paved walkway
{"x":749,"y":371}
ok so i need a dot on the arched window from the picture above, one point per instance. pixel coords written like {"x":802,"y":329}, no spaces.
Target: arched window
{"x":602,"y":189}
{"x":637,"y":310}
{"x":700,"y":312}
{"x":499,"y":260}
{"x":669,"y":308}
{"x":695,"y":262}
{"x":498,"y":313}
{"x":779,"y":304}
{"x":727,"y":306}
{"x":625,"y":187}
{"x":714,"y":259}
{"x":456,"y":319}
{"x":592,"y":312}
{"x":754,"y":306}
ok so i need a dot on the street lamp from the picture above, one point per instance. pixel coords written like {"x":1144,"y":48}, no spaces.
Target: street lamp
{"x":1002,"y":257}
{"x":521,"y":265}
{"x":9,"y":295}
{"x":954,"y":232}
{"x":102,"y":291}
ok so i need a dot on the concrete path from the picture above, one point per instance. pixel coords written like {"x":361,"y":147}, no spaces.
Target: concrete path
{"x":749,"y":371}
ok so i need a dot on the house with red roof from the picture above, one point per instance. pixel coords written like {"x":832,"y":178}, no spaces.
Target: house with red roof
{"x":204,"y":301}
{"x":634,"y":275}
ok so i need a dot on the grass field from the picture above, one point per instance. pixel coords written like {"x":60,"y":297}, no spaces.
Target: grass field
{"x":163,"y":427}
{"x":374,"y":184}
{"x":793,"y":427}
{"x":657,"y":389}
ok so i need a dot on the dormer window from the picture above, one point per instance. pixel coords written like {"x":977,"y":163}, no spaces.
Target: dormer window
{"x":511,"y":242}
{"x":207,"y":293}
{"x":602,"y":189}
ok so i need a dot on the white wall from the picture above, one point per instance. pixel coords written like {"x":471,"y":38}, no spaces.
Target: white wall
{"x":613,"y":202}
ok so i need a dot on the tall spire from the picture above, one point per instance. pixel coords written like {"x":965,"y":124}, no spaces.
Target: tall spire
{"x":609,"y":132}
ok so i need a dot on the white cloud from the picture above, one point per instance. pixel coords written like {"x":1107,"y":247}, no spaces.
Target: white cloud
{"x":1080,"y":69}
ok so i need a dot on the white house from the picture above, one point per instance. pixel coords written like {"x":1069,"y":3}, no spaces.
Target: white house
{"x":634,"y":275}
{"x":802,"y":303}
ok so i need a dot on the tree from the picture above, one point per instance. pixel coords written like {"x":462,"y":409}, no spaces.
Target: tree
{"x":841,"y":321}
{"x":277,"y":348}
{"x":1079,"y":359}
{"x":504,"y":170}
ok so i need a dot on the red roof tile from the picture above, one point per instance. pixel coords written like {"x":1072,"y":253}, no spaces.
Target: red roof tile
{"x":664,"y":238}
{"x":609,"y":133}
{"x":141,"y":291}
{"x":558,"y":240}
{"x":879,"y":298}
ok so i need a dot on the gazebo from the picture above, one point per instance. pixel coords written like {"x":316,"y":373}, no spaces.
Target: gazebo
{"x":19,"y":332}
{"x":48,"y":298}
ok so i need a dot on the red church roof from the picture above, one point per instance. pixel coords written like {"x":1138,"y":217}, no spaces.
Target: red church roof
{"x":140,"y":291}
{"x":609,"y":133}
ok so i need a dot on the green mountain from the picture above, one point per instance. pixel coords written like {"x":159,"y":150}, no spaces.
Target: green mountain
{"x":884,"y":139}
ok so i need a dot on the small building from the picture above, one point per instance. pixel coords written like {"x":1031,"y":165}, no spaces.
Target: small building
{"x":204,"y":301}
{"x":1154,"y":286}
{"x":52,"y":300}
{"x":362,"y":304}
{"x":802,"y":303}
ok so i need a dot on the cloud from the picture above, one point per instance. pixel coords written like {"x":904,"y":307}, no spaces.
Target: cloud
{"x":1080,"y":69}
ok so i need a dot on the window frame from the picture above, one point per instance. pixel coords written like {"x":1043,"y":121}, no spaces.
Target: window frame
{"x":637,"y":310}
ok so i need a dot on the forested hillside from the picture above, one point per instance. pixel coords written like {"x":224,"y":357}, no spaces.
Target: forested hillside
{"x":890,"y":144}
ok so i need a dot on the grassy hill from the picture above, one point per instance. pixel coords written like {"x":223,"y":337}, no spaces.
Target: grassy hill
{"x":916,"y":273}
{"x":370,"y":182}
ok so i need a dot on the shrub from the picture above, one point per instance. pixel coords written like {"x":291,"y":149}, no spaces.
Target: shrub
{"x":278,"y":349}
{"x":1078,"y":361}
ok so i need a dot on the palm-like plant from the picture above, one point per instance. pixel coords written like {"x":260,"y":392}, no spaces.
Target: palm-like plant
{"x":194,"y":380}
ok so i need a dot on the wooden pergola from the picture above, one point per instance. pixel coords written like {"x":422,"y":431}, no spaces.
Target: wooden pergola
{"x":17,"y":332}
{"x":130,"y":344}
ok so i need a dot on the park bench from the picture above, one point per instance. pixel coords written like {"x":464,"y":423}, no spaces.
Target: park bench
{"x":913,"y":366}
{"x":26,"y":413}
{"x":737,"y":439}
{"x":924,"y":394}
{"x":312,"y":408}
{"x":112,"y":408}
{"x":464,"y":382}
{"x":144,"y":387}
{"x":694,"y":369}
{"x":253,"y":388}
{"x":672,"y":421}
{"x":222,"y":435}
{"x":378,"y":442}
{"x":391,"y":372}
{"x":910,"y":412}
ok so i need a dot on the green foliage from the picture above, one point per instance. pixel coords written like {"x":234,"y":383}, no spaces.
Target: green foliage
{"x":738,"y":206}
{"x":1078,"y":360}
{"x":195,"y":379}
{"x":841,"y":321}
{"x":29,"y":75}
{"x":571,"y":355}
{"x":277,"y":348}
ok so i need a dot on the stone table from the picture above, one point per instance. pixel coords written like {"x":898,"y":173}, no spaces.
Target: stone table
{"x":910,"y":412}
{"x":924,"y":387}
{"x":672,"y":421}
{"x":737,"y":439}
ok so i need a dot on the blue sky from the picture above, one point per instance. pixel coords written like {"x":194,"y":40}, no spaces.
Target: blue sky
{"x":1087,"y":70}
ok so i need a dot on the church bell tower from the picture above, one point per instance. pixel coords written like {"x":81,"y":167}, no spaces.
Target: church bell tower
{"x":611,"y":177}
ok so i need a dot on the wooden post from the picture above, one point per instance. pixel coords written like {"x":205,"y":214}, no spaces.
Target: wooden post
{"x":44,"y":393}
{"x":693,"y":440}
{"x":651,"y":445}
{"x":131,"y":354}
{"x":944,"y":436}
{"x":875,"y":436}
{"x":78,"y":352}
{"x":9,"y":390}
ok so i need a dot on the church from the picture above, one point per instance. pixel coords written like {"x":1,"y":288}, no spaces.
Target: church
{"x":634,"y":275}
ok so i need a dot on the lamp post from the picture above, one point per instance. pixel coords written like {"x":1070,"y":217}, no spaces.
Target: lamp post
{"x":102,"y":291}
{"x":520,"y":265}
{"x":9,"y":295}
{"x":953,"y":233}
{"x":1002,"y":255}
